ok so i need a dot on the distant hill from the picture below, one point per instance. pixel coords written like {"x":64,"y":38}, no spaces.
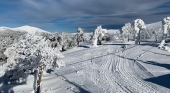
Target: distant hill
{"x":154,"y":26}
{"x":26,"y":28}
{"x":114,"y":31}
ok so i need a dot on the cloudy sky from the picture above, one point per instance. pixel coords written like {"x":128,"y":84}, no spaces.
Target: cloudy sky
{"x":68,"y":15}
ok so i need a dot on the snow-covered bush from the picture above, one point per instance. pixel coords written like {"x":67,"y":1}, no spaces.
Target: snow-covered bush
{"x":31,"y":52}
{"x":68,"y":41}
{"x":11,"y":33}
{"x":8,"y":37}
{"x":62,"y":41}
{"x":55,"y":40}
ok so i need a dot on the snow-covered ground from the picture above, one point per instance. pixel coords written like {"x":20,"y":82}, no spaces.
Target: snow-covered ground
{"x":109,"y":68}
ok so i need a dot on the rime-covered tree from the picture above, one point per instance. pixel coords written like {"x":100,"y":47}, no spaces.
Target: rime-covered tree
{"x":79,"y":35}
{"x":30,"y":53}
{"x":97,"y":35}
{"x":68,"y":41}
{"x":125,"y":31}
{"x":158,"y":34}
{"x":165,"y":31}
{"x":138,"y":25}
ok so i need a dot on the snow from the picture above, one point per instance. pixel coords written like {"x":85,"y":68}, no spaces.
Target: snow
{"x":29,"y":29}
{"x":154,"y":26}
{"x":26,"y":28}
{"x":115,"y":31}
{"x":4,"y":28}
{"x":108,"y":68}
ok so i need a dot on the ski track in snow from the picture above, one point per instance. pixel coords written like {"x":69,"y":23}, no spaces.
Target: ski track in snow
{"x":111,"y":69}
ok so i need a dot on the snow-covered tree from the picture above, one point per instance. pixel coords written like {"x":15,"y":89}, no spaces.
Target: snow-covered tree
{"x":32,"y":52}
{"x":165,"y":30}
{"x":97,"y":35}
{"x":125,"y":31}
{"x":55,"y":40}
{"x":8,"y":37}
{"x":138,"y":25}
{"x":62,"y":41}
{"x":79,"y":35}
{"x":68,"y":41}
{"x":158,"y":34}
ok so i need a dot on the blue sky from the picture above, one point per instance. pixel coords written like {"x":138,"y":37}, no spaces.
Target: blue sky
{"x":68,"y":15}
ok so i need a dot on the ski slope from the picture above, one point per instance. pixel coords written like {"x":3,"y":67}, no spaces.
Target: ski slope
{"x":110,"y":68}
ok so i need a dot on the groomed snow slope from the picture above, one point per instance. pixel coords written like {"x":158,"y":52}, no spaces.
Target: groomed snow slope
{"x":111,"y":69}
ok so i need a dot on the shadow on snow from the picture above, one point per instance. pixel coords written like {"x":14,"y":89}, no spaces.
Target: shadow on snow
{"x":81,"y":90}
{"x":7,"y":82}
{"x":160,"y":80}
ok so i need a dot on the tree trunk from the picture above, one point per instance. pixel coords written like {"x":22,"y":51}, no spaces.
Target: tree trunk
{"x":139,"y":37}
{"x":35,"y":80}
{"x":39,"y":79}
{"x":128,"y":37}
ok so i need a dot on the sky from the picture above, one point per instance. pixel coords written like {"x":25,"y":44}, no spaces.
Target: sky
{"x":68,"y":15}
